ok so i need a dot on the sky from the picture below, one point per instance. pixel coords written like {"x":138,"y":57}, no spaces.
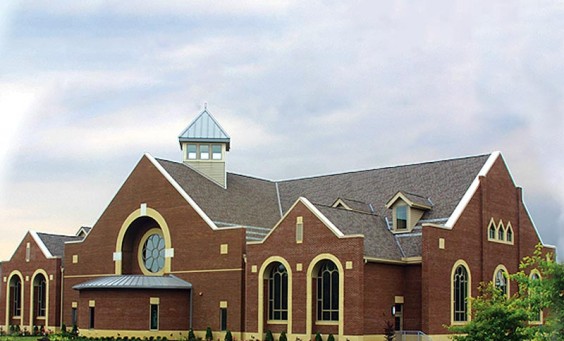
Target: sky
{"x":302,"y":87}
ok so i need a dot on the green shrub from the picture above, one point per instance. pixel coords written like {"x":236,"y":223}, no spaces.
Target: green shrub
{"x":269,"y":336}
{"x":330,"y":337}
{"x":191,"y":336}
{"x":209,"y":334}
{"x":228,"y":336}
{"x":283,"y":337}
{"x":318,"y":337}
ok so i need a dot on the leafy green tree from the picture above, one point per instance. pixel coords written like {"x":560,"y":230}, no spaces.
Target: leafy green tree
{"x":545,"y":293}
{"x":497,"y":317}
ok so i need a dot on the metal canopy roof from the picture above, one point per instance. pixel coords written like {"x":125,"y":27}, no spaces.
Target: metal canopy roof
{"x":135,"y":282}
{"x":204,"y":128}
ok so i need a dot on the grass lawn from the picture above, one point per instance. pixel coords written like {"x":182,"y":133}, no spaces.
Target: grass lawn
{"x":19,"y":338}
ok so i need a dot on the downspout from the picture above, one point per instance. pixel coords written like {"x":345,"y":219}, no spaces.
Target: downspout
{"x":191,"y":304}
{"x":62,"y":297}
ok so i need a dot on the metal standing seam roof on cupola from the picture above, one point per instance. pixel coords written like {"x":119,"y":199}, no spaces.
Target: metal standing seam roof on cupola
{"x":204,"y":128}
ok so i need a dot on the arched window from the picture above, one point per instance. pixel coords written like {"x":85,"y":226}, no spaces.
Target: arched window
{"x":16,"y":296}
{"x":501,"y":232}
{"x":460,"y":292}
{"x":278,"y":293}
{"x":501,"y":281}
{"x":491,"y":231}
{"x":328,"y":292}
{"x":537,"y":314}
{"x":40,"y":294}
{"x":509,"y":234}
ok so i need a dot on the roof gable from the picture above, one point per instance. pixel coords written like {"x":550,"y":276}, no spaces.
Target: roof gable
{"x":53,"y":245}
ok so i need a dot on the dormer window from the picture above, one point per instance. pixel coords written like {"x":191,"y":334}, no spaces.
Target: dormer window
{"x":407,"y":210}
{"x":401,"y":217}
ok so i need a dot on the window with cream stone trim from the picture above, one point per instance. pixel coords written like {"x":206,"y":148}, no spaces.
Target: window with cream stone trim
{"x":535,"y":276}
{"x":460,"y":292}
{"x":152,"y":252}
{"x":501,"y":279}
{"x":500,"y":233}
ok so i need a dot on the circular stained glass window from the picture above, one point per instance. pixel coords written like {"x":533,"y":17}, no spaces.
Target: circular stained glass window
{"x":154,"y":253}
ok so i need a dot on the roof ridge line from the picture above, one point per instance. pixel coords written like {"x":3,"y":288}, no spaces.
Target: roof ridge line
{"x":382,"y":168}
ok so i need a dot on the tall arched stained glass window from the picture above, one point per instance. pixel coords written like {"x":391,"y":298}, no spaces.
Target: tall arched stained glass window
{"x":40,"y":292}
{"x":501,"y":281}
{"x":328,"y":292}
{"x":460,"y":291}
{"x":278,"y":292}
{"x":16,"y":296}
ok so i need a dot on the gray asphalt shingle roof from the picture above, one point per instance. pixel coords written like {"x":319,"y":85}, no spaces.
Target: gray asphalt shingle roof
{"x":55,"y":243}
{"x":256,"y":202}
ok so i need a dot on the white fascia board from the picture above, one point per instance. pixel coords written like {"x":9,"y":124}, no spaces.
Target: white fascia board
{"x":310,"y":207}
{"x":41,"y":245}
{"x":181,"y":191}
{"x":471,"y":191}
{"x":321,"y":217}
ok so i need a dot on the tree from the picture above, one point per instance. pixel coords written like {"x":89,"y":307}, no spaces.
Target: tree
{"x":545,"y":293}
{"x":497,"y":317}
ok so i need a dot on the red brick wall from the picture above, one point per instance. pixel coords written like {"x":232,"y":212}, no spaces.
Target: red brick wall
{"x":37,"y":261}
{"x":496,"y":197}
{"x":130,"y":309}
{"x":317,"y":239}
{"x":197,"y":257}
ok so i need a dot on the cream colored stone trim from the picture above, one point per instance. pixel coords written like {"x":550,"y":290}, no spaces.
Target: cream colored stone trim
{"x":452,"y":271}
{"x":261,"y":301}
{"x":75,"y":259}
{"x":405,"y":260}
{"x":441,"y":243}
{"x":223,"y":304}
{"x":31,"y":297}
{"x":398,"y":299}
{"x":507,"y":280}
{"x":92,"y":303}
{"x":253,"y":268}
{"x":205,"y":270}
{"x":309,"y":294}
{"x":348,"y":265}
{"x":154,"y":300}
{"x":155,"y":215}
{"x":223,"y":249}
{"x":22,"y":296}
{"x":74,"y":304}
{"x":299,"y":267}
{"x":88,"y":276}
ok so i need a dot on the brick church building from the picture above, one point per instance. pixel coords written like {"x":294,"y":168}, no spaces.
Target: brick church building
{"x":189,"y":245}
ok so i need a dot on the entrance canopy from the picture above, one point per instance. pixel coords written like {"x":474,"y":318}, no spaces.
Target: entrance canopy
{"x":135,"y":282}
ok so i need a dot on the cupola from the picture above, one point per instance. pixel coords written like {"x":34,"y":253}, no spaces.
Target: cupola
{"x":204,"y":146}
